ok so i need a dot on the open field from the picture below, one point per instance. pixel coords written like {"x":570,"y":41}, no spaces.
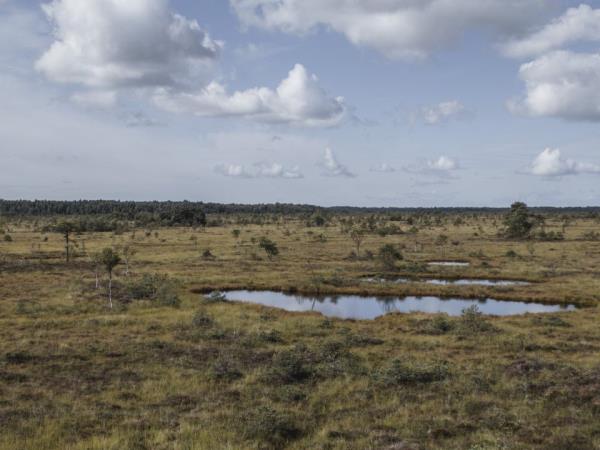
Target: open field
{"x":75,"y":374}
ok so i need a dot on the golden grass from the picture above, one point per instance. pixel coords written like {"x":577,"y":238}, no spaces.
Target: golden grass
{"x":75,"y":375}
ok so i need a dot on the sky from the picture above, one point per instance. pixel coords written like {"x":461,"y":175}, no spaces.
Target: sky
{"x":397,"y":103}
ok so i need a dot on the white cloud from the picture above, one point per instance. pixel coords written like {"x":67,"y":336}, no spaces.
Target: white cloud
{"x":232,"y":170}
{"x":550,"y":163}
{"x":398,"y":29}
{"x":442,"y":112}
{"x":383,"y":168}
{"x":297,"y":100}
{"x":332,"y":167}
{"x":124,"y":43}
{"x":443,"y":164}
{"x":576,"y":24}
{"x":260,"y":170}
{"x":561,"y":84}
{"x":276,"y":170}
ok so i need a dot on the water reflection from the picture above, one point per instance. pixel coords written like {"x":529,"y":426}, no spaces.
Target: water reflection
{"x":366,"y":308}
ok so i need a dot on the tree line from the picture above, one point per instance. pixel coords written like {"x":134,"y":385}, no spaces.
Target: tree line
{"x":171,"y":213}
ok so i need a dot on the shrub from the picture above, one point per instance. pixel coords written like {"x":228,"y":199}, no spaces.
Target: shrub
{"x":267,"y":424}
{"x":207,"y":254}
{"x":269,"y":247}
{"x":201,"y":319}
{"x":518,"y":223}
{"x":399,"y":373}
{"x":8,"y":238}
{"x":155,"y":287}
{"x":472,"y":321}
{"x":225,"y":370}
{"x":440,"y":324}
{"x":388,"y":256}
{"x":291,"y":366}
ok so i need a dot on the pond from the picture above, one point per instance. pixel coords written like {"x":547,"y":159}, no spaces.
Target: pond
{"x":447,"y":282}
{"x":367,"y":308}
{"x":449,"y":263}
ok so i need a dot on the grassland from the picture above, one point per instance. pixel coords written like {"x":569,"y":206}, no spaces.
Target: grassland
{"x":218,"y":375}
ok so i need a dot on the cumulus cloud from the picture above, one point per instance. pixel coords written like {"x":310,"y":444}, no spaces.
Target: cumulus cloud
{"x":561,"y":84}
{"x":576,"y":24}
{"x":124,"y":43}
{"x":260,"y":170}
{"x":443,"y":164}
{"x":440,"y":168}
{"x":383,"y":168}
{"x":232,"y":170}
{"x":550,"y":163}
{"x":442,"y":112}
{"x":332,"y":167}
{"x":398,"y":29}
{"x":298,"y":100}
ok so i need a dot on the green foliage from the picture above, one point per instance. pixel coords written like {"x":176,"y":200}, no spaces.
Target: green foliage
{"x":388,"y":256}
{"x":550,"y":236}
{"x":399,"y":373}
{"x":269,"y":247}
{"x":269,"y":425}
{"x":109,"y":259}
{"x":155,"y":287}
{"x":202,"y":320}
{"x":518,"y":223}
{"x":8,"y":238}
{"x":440,"y":324}
{"x":472,"y":321}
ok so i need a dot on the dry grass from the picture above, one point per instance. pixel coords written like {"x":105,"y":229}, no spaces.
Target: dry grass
{"x":75,"y":375}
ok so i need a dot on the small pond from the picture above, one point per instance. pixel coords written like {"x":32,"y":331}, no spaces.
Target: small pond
{"x":449,"y":263}
{"x":366,"y":308}
{"x":446,"y":282}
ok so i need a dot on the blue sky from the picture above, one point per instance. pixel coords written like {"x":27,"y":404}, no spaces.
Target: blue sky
{"x":329,"y":102}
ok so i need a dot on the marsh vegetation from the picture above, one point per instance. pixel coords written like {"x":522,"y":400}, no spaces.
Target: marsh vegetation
{"x":171,"y":366}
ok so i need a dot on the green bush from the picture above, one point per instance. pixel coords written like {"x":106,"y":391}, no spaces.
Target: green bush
{"x":440,"y":324}
{"x":157,"y":288}
{"x":399,"y":373}
{"x":269,"y":425}
{"x":472,"y":321}
{"x":225,"y":369}
{"x":201,"y":319}
{"x":388,"y":256}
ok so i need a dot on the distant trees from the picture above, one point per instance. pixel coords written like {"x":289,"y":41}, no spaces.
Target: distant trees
{"x":109,"y":259}
{"x":96,"y":260}
{"x":128,"y":252}
{"x":441,"y":242}
{"x":518,"y":222}
{"x":357,"y":235}
{"x":66,"y":228}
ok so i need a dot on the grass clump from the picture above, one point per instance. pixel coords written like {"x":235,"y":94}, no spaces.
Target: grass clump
{"x":157,"y":288}
{"x":399,"y":373}
{"x":472,"y":321}
{"x":270,"y":426}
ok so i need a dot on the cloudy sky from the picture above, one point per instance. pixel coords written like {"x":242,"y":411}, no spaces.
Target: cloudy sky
{"x":328,"y":102}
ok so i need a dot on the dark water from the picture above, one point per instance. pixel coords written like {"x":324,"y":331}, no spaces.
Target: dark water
{"x":366,"y":308}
